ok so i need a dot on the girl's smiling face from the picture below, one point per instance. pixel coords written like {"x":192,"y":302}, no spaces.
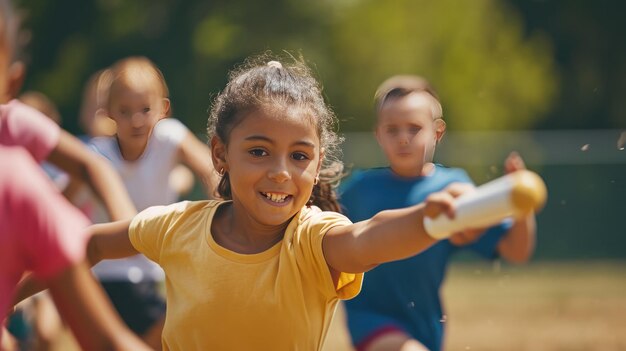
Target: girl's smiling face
{"x":272,"y":158}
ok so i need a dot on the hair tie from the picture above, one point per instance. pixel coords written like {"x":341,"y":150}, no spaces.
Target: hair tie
{"x":275,"y":64}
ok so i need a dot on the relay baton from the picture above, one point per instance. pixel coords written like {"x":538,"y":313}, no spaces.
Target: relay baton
{"x":513,"y":195}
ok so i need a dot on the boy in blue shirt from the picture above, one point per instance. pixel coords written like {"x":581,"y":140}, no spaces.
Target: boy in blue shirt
{"x":399,"y":307}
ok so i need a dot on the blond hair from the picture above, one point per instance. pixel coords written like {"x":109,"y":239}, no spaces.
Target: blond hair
{"x":138,"y":71}
{"x":95,"y":97}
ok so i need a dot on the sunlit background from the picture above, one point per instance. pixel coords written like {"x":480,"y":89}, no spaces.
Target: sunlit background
{"x":546,"y":78}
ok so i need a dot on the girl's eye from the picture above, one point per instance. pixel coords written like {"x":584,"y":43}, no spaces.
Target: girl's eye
{"x":258,"y":152}
{"x":300,"y":156}
{"x":414,"y":129}
{"x":392,"y":131}
{"x":146,"y":110}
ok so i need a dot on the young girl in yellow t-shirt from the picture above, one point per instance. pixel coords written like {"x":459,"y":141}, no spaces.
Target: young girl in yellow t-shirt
{"x":264,"y":268}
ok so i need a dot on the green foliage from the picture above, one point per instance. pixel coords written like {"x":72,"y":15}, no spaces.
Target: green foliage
{"x":69,"y":64}
{"x":491,"y":71}
{"x":216,"y":38}
{"x":487,"y":74}
{"x":591,"y":55}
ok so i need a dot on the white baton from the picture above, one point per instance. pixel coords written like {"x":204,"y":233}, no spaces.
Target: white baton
{"x":513,"y":195}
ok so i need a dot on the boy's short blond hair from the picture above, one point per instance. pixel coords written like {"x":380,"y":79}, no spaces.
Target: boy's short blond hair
{"x":402,"y":85}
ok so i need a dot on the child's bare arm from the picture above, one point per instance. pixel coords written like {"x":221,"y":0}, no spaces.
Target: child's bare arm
{"x":73,"y":157}
{"x":84,"y":306}
{"x":518,"y":245}
{"x":388,"y":236}
{"x":181,"y":179}
{"x":107,"y":241}
{"x":7,"y":341}
{"x":197,"y":156}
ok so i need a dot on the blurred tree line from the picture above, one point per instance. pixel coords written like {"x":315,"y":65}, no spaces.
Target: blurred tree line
{"x":497,"y":64}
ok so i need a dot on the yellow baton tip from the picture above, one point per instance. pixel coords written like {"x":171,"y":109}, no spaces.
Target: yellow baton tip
{"x":529,"y":192}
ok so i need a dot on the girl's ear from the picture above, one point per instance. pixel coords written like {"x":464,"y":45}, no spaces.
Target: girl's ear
{"x":218,"y":154}
{"x":440,"y":129}
{"x":102,"y":124}
{"x":166,"y":107}
{"x":319,"y":165}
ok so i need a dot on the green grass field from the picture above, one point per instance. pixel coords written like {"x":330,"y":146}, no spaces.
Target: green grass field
{"x":539,"y":307}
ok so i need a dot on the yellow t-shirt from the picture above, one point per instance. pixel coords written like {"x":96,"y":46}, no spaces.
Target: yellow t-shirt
{"x":217,"y":299}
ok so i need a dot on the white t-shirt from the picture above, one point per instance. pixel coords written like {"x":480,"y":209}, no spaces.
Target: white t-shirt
{"x":147,"y":183}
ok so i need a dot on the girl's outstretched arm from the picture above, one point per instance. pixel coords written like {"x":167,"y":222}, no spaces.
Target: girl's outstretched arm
{"x":388,"y":236}
{"x":106,"y":241}
{"x":109,"y":241}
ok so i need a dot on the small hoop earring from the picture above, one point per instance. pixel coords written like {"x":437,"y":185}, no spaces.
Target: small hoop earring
{"x":221,"y":172}
{"x":316,"y":181}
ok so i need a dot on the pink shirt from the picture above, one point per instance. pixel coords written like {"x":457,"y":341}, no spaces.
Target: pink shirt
{"x":22,"y":125}
{"x":39,"y":230}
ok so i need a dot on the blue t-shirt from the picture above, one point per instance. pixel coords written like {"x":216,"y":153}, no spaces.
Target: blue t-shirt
{"x":404,"y":294}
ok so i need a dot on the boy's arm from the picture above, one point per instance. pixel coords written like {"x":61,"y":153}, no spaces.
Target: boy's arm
{"x":197,"y":156}
{"x":84,"y":306}
{"x":73,"y":157}
{"x":518,"y":245}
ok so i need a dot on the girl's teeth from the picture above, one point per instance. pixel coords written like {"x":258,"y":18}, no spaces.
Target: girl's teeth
{"x":275,"y":197}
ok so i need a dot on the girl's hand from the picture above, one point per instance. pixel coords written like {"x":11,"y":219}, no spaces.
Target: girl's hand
{"x":466,"y":237}
{"x":443,"y":201}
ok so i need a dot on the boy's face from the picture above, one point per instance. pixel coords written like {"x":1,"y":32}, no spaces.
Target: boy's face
{"x":408,"y":133}
{"x":136,"y":111}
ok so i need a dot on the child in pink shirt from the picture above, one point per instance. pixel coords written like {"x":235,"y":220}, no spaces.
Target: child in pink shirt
{"x":21,"y":125}
{"x":42,"y":233}
{"x":39,"y":230}
{"x":24,"y":126}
